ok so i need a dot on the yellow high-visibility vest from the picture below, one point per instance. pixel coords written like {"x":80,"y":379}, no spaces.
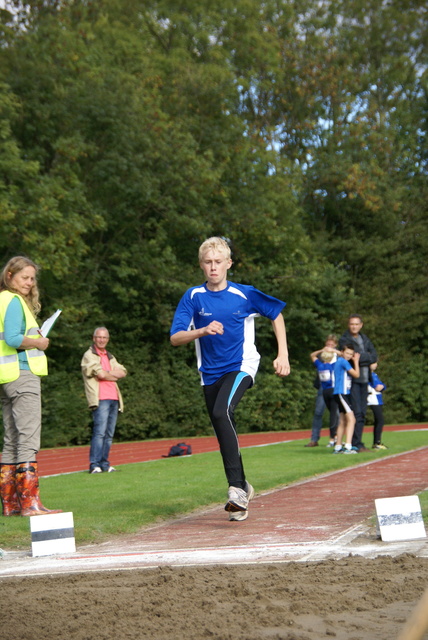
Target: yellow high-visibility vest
{"x":9,"y":363}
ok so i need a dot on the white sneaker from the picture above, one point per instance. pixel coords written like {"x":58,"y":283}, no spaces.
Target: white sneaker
{"x":250,"y":491}
{"x":238,"y":499}
{"x":238,"y":515}
{"x":97,"y":470}
{"x":110,"y":469}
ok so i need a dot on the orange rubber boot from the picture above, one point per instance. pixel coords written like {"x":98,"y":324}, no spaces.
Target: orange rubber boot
{"x":9,"y":497}
{"x":27,"y":486}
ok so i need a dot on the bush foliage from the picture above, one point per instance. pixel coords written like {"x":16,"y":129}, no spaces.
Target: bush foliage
{"x":132,"y":131}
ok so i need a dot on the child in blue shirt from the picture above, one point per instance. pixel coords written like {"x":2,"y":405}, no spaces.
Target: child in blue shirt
{"x":343,"y":374}
{"x":324,"y":360}
{"x":218,"y":316}
{"x":375,"y":402}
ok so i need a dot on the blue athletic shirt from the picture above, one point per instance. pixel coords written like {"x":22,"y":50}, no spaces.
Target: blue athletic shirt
{"x":342,"y":379}
{"x":235,"y":307}
{"x":325,"y":373}
{"x":375,"y":397}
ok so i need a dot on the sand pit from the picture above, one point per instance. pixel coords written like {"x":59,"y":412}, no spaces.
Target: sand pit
{"x":348,"y":599}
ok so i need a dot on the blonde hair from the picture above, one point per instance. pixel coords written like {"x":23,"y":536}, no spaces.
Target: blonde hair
{"x":214,"y":244}
{"x":14,"y":266}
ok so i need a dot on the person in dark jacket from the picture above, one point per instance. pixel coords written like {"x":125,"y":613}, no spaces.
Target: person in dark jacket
{"x":359,"y":391}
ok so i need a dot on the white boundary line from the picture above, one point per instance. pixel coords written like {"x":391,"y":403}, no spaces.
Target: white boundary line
{"x":336,"y":548}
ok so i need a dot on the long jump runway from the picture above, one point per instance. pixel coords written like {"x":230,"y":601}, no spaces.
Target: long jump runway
{"x":330,"y":516}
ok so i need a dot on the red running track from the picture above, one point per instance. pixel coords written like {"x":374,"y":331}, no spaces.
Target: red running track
{"x":73,"y":459}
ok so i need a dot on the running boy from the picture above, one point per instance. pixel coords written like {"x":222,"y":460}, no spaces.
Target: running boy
{"x":342,"y":390}
{"x":219,"y":316}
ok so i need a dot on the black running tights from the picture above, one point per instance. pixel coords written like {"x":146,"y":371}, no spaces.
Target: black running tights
{"x":221,"y":399}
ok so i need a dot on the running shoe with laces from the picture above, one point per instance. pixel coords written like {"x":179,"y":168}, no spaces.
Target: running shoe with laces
{"x":379,"y":446}
{"x":238,"y":499}
{"x":96,"y":470}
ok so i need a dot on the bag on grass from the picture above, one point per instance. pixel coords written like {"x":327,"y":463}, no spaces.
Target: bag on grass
{"x":180,"y":449}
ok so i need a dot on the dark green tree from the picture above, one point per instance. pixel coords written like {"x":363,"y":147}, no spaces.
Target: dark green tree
{"x":130,"y":132}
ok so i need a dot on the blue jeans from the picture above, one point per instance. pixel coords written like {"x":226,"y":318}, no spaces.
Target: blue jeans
{"x":318,"y":414}
{"x":105,"y":418}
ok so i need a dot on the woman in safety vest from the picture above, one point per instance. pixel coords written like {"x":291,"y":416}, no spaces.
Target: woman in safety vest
{"x":22,"y":362}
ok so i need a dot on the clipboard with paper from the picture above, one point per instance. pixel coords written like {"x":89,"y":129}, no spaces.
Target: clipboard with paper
{"x":49,"y":323}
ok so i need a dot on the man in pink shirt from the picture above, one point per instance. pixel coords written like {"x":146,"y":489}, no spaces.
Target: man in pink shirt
{"x":101,"y":371}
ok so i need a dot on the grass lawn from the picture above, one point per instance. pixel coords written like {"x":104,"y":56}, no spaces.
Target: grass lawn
{"x":139,"y":494}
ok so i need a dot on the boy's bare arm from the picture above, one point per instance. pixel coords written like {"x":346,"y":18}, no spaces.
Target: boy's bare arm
{"x":355,"y":372}
{"x":281,"y":363}
{"x":184,"y":337}
{"x":314,"y":355}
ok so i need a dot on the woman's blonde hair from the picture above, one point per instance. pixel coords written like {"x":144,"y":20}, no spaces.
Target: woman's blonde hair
{"x":14,"y":266}
{"x":214,"y":244}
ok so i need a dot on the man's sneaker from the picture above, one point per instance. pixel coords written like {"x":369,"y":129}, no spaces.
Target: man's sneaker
{"x":379,"y":446}
{"x":238,"y":499}
{"x":96,"y":470}
{"x":110,"y":469}
{"x":331,"y":444}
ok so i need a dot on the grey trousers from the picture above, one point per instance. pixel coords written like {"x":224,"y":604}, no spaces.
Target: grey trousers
{"x":22,"y":418}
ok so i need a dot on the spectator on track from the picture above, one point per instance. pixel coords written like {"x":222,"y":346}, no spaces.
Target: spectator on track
{"x":324,"y":360}
{"x":343,"y":374}
{"x":359,"y":389}
{"x":375,"y":402}
{"x":22,"y":364}
{"x":101,"y":371}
